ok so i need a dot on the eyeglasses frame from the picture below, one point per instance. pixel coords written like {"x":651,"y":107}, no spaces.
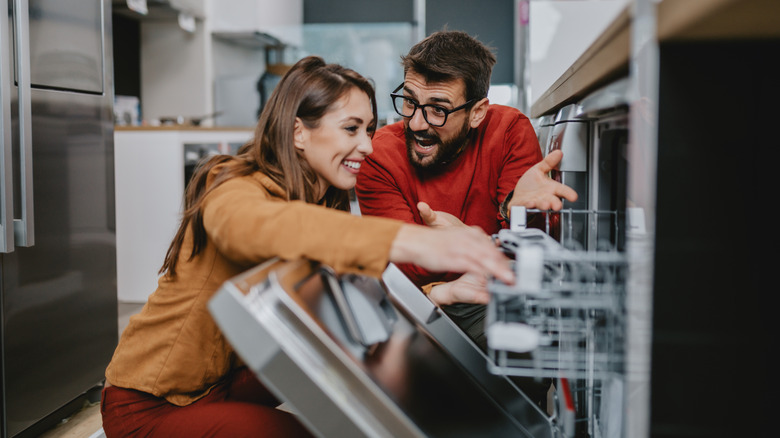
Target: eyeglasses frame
{"x":423,"y":106}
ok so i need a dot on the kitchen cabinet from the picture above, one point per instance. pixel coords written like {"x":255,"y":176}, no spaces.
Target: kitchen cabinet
{"x":255,"y":15}
{"x":180,"y":66}
{"x":159,"y":9}
{"x":150,"y":181}
{"x":176,"y":70}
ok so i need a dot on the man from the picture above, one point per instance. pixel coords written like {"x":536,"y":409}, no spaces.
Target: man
{"x":455,"y":159}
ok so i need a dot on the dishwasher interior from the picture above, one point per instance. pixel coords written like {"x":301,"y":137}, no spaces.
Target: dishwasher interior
{"x":565,"y":318}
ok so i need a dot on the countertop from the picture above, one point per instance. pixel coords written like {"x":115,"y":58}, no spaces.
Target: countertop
{"x":607,"y":59}
{"x":183,"y":128}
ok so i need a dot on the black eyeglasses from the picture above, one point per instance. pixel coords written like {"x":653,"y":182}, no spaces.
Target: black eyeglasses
{"x":434,"y":115}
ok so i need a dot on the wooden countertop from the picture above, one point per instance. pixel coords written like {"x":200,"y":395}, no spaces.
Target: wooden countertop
{"x":184,"y":128}
{"x":607,"y":59}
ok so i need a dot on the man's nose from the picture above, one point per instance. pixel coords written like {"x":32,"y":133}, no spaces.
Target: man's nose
{"x":417,"y":122}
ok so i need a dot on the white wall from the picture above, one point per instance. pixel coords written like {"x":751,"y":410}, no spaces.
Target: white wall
{"x":560,"y":31}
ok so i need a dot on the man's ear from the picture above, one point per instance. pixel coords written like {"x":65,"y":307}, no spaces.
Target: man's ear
{"x":478,"y":112}
{"x":300,"y":134}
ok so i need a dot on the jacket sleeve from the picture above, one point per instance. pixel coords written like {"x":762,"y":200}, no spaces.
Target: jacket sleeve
{"x":248,"y":225}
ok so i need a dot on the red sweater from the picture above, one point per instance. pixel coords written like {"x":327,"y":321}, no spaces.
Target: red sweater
{"x":471,"y":188}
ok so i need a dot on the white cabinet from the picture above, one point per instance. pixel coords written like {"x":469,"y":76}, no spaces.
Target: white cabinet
{"x":180,"y":69}
{"x":150,"y":173}
{"x":193,"y":7}
{"x":255,"y":15}
{"x":176,"y":72}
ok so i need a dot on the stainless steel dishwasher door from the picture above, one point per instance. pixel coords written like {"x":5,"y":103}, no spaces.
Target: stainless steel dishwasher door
{"x":350,"y":362}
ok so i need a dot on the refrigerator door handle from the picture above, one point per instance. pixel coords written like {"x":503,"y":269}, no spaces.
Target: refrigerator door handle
{"x":24,"y":229}
{"x":6,"y":175}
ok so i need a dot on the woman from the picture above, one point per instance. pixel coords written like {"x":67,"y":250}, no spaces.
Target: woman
{"x":173,"y":374}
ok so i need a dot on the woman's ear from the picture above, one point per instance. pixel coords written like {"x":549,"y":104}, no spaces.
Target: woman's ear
{"x":478,"y":112}
{"x":300,"y":134}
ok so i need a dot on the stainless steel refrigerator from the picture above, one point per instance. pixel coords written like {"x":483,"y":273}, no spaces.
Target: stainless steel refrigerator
{"x":58,"y":296}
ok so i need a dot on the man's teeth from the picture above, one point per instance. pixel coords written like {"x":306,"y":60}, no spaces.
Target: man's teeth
{"x":425,"y":143}
{"x":352,"y":164}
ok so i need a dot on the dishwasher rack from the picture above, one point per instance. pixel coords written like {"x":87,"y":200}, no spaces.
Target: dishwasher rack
{"x":564,"y":318}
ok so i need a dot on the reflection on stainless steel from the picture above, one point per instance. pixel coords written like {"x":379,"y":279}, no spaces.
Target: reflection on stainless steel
{"x":570,"y":134}
{"x":66,"y":45}
{"x":284,"y":321}
{"x":58,"y":295}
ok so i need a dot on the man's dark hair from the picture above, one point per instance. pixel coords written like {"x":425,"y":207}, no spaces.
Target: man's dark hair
{"x":447,"y":55}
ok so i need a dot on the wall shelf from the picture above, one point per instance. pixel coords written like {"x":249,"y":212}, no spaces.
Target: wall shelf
{"x":158,"y":10}
{"x":249,"y":39}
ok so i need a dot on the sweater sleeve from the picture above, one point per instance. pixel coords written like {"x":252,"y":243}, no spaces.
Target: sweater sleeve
{"x":383,"y":191}
{"x":248,"y":225}
{"x":521,"y":152}
{"x":378,"y":191}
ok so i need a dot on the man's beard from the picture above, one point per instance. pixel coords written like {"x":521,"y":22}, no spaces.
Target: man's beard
{"x":445,"y":153}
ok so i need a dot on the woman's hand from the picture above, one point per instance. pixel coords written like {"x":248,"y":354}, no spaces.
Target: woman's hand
{"x":469,"y":288}
{"x":451,"y":249}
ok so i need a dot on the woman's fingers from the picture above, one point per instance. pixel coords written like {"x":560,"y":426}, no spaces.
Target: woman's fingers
{"x":452,"y":249}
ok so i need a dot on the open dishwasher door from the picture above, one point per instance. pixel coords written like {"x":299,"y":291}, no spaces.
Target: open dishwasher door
{"x":351,"y":360}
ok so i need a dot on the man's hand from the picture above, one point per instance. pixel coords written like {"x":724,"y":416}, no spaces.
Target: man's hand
{"x":536,"y":189}
{"x":434,"y":218}
{"x":468,"y":288}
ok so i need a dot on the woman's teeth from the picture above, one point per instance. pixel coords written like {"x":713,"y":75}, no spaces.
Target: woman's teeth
{"x":352,"y":164}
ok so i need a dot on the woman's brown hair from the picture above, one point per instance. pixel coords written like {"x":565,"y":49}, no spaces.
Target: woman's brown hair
{"x":307,"y":91}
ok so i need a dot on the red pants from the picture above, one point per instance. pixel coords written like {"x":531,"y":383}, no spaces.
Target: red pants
{"x":240,"y":407}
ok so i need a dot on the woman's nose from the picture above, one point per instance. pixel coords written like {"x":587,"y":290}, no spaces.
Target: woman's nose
{"x":365,"y":147}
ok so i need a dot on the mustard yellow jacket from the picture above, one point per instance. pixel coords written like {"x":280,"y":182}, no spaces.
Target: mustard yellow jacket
{"x":172,"y":348}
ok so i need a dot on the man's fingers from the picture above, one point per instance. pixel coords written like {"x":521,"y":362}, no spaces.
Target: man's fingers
{"x":567,"y":193}
{"x":426,"y":212}
{"x":551,"y":161}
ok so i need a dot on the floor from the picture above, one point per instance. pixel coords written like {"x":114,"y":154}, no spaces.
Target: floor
{"x":86,"y":423}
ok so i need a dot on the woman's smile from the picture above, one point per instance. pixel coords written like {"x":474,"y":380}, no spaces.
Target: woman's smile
{"x":352,"y":166}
